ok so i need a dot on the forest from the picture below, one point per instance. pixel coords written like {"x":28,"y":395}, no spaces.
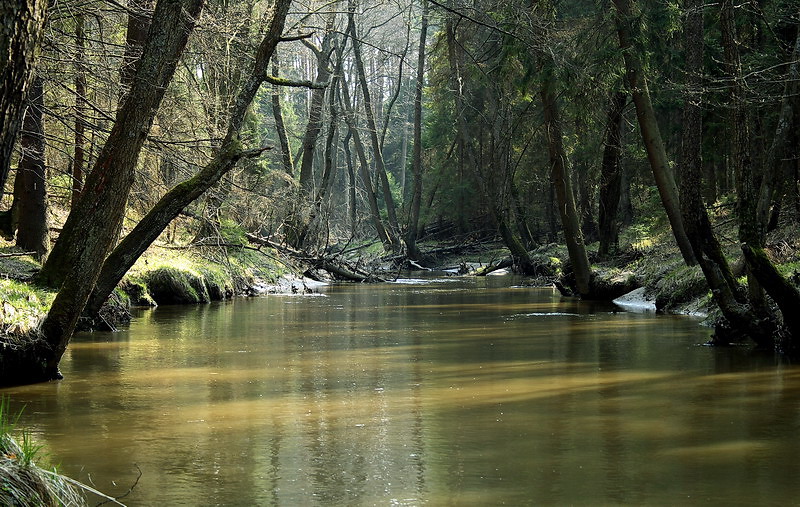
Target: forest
{"x":306,"y":130}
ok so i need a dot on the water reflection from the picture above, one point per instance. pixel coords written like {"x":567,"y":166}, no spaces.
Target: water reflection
{"x":462,"y":392}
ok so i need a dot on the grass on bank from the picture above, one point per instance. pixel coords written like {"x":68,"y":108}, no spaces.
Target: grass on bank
{"x":25,"y":479}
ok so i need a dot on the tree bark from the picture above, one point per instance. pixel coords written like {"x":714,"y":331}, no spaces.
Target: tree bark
{"x":416,"y":163}
{"x":559,"y":175}
{"x":351,"y":184}
{"x":298,"y":222}
{"x":611,"y":177}
{"x":280,"y":125}
{"x":139,"y":19}
{"x":648,"y":125}
{"x":31,"y":203}
{"x":79,"y":157}
{"x":725,"y":290}
{"x":372,"y":200}
{"x":173,"y":202}
{"x":94,"y":224}
{"x":21,"y":28}
{"x":779,"y":153}
{"x":380,"y":166}
{"x":316,"y":111}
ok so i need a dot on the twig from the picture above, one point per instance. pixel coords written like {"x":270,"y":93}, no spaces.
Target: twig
{"x":16,"y":254}
{"x":130,"y":490}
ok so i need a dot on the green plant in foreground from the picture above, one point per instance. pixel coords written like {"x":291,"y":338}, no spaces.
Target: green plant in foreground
{"x":22,"y":482}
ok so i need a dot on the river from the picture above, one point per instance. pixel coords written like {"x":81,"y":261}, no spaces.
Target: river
{"x":455,"y":391}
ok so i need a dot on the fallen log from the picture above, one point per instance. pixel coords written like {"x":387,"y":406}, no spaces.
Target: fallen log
{"x":489,"y":268}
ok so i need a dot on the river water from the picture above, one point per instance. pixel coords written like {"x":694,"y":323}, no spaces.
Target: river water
{"x":458,"y":391}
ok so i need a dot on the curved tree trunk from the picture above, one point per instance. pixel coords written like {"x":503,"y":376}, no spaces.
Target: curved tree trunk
{"x":173,"y":202}
{"x":564,"y":195}
{"x":93,"y":226}
{"x":648,"y":125}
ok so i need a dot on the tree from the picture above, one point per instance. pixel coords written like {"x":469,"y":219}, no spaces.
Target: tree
{"x":416,"y":164}
{"x":30,"y":203}
{"x":173,"y":202}
{"x":648,"y":124}
{"x":559,"y":175}
{"x":20,"y":34}
{"x":93,"y":225}
{"x":611,"y":177}
{"x":377,"y":152}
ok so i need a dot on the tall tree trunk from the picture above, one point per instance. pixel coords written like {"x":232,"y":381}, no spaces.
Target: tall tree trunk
{"x":31,"y":203}
{"x":316,"y":111}
{"x":611,"y":177}
{"x":651,"y":136}
{"x":351,"y":184}
{"x":724,"y":288}
{"x":299,"y":220}
{"x":380,"y":167}
{"x":79,"y":157}
{"x":139,"y":19}
{"x":559,"y":175}
{"x":349,"y":118}
{"x":779,"y":154}
{"x":416,"y":163}
{"x":748,"y":181}
{"x":21,"y":27}
{"x":93,"y":226}
{"x":783,"y":293}
{"x":328,"y":171}
{"x":173,"y":202}
{"x":280,"y":125}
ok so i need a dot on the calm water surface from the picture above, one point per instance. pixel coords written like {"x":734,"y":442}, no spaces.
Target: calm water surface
{"x":438,"y":392}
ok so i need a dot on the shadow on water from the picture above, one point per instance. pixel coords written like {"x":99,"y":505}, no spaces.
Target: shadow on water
{"x":455,"y":392}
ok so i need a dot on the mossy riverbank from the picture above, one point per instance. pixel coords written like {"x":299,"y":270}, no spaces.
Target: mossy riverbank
{"x":161,"y":276}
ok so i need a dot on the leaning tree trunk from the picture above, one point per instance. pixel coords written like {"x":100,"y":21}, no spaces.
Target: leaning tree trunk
{"x":611,"y":178}
{"x":93,"y":226}
{"x":31,"y":203}
{"x":20,"y":34}
{"x":651,"y":136}
{"x":173,"y":202}
{"x":566,"y":199}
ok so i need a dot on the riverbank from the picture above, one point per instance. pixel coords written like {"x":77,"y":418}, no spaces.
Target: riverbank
{"x":160,"y":276}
